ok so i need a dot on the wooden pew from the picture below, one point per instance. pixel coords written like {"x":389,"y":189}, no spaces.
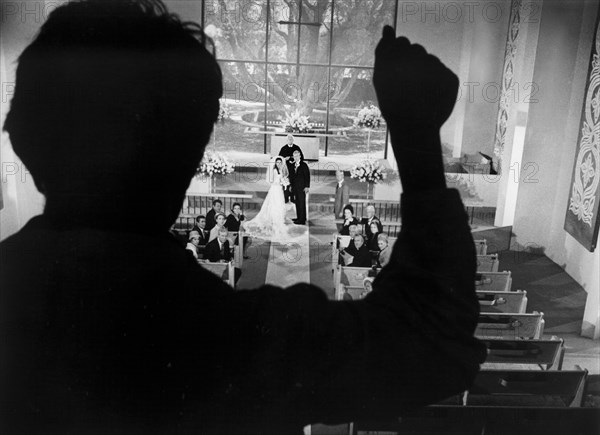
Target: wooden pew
{"x":238,"y":250}
{"x":487,"y":263}
{"x":225,"y":271}
{"x":356,"y":292}
{"x":477,"y":420}
{"x":519,"y":354}
{"x":510,"y":325}
{"x":494,"y":281}
{"x":481,"y":247}
{"x":349,"y":277}
{"x":556,"y":388}
{"x":502,"y":302}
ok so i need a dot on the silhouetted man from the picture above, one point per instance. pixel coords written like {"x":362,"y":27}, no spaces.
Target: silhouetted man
{"x":107,"y":326}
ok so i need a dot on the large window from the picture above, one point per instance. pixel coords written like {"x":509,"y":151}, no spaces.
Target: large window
{"x":314,"y":57}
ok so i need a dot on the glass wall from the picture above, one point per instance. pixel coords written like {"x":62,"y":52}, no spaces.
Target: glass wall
{"x":310,"y":57}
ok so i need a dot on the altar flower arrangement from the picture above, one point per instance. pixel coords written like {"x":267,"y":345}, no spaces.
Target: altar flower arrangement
{"x":224,"y":112}
{"x":214,"y":164}
{"x":368,"y":117}
{"x":296,"y":123}
{"x":368,"y":171}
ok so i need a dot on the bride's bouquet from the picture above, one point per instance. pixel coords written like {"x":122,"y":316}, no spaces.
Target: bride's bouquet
{"x":285,"y":181}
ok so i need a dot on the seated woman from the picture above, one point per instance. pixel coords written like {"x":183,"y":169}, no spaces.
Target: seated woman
{"x":193,"y":243}
{"x":357,"y":255}
{"x":376,"y":229}
{"x":233,"y":224}
{"x":219,"y":223}
{"x":385,"y":252}
{"x":349,"y":219}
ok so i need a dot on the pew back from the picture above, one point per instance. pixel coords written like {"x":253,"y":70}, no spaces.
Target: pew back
{"x":543,"y":353}
{"x":225,"y":271}
{"x":510,"y":325}
{"x":494,"y":281}
{"x":487,"y":263}
{"x":502,"y":302}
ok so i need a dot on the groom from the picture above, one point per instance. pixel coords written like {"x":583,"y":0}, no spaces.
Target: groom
{"x":300,"y":180}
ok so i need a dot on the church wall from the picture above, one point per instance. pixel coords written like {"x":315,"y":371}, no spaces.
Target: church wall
{"x":560,"y":72}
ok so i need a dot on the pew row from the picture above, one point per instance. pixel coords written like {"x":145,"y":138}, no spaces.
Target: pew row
{"x":487,"y":263}
{"x":493,"y":281}
{"x":225,"y":271}
{"x":510,"y":325}
{"x":521,"y":354}
{"x":502,"y":302}
{"x":503,"y":402}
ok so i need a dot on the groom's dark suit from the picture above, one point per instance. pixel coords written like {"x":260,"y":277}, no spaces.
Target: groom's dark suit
{"x":300,"y":179}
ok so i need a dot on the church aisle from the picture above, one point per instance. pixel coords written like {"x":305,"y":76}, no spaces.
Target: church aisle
{"x":289,"y":262}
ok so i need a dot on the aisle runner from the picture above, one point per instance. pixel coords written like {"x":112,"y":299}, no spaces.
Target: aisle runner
{"x":289,"y":263}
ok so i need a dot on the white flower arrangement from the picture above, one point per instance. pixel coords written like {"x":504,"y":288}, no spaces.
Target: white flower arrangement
{"x":285,"y":181}
{"x":214,"y":164}
{"x":224,"y":112}
{"x":368,"y":117}
{"x":296,"y":123}
{"x":368,"y":171}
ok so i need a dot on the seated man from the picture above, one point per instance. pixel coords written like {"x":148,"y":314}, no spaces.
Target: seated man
{"x":357,"y":255}
{"x":108,"y":326}
{"x":218,"y":250}
{"x":366,"y":221}
{"x":200,"y":227}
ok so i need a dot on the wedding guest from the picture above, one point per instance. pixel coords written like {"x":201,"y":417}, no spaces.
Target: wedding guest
{"x":218,"y":249}
{"x":349,"y":219}
{"x":235,"y":218}
{"x":360,"y":255}
{"x":375,"y":228}
{"x":138,"y":337}
{"x":200,"y":227}
{"x":342,"y":194}
{"x":385,"y":252}
{"x":217,"y":205}
{"x":219,"y":223}
{"x":233,"y":224}
{"x":366,"y":221}
{"x":193,"y":243}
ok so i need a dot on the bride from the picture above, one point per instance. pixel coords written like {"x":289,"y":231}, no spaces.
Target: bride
{"x":270,"y":222}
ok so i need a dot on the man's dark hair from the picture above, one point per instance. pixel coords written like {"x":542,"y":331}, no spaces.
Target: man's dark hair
{"x":113,"y":105}
{"x":234,"y":204}
{"x":200,"y":217}
{"x":217,"y":201}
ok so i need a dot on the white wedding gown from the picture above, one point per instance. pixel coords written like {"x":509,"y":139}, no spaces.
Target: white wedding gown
{"x":271,"y":222}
